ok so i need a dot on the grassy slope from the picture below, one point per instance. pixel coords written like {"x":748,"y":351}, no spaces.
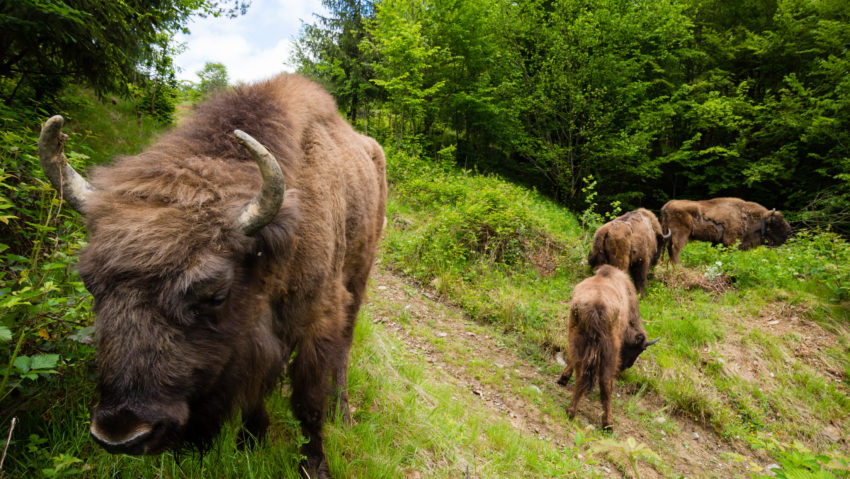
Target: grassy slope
{"x":510,"y":258}
{"x":755,"y":343}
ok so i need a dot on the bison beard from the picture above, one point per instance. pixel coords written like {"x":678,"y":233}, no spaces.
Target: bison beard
{"x":212,"y":256}
{"x":606,"y":336}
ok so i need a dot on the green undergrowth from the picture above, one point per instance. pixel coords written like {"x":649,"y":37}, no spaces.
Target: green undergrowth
{"x":722,"y":360}
{"x":754,"y":344}
{"x":503,"y":252}
{"x":406,"y":422}
{"x":45,"y":317}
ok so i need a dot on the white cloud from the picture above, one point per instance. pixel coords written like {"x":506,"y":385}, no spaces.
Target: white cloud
{"x":253,"y":46}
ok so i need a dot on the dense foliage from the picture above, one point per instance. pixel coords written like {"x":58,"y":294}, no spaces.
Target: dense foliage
{"x":656,"y":100}
{"x":125,"y":48}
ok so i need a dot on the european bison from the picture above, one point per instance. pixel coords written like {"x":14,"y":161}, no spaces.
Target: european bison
{"x":631,"y":242}
{"x":722,"y":221}
{"x":212,"y":256}
{"x":606,"y":335}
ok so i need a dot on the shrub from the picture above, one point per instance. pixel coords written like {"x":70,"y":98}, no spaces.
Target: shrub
{"x":816,"y":256}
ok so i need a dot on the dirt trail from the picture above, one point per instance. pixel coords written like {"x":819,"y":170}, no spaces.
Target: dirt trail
{"x":476,"y":358}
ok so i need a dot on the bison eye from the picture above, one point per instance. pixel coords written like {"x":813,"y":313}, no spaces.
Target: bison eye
{"x":216,"y":299}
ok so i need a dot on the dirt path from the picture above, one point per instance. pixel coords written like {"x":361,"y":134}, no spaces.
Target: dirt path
{"x":523,"y":391}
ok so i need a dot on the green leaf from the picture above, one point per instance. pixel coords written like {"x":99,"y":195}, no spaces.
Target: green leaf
{"x":5,"y":334}
{"x":45,"y":361}
{"x":23,"y":363}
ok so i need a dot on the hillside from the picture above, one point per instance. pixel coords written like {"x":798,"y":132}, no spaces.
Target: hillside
{"x":457,"y":349}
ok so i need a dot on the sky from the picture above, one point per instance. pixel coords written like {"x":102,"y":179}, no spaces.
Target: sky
{"x":253,"y":46}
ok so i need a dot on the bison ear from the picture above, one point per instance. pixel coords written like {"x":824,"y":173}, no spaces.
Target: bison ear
{"x":640,"y":338}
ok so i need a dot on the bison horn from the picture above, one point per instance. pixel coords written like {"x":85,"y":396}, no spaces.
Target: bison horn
{"x":70,"y":185}
{"x":265,"y":206}
{"x":772,"y":212}
{"x":650,"y":343}
{"x":669,"y":233}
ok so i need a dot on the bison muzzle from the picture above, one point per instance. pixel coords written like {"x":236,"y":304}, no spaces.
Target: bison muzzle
{"x":235,"y":247}
{"x":606,"y":336}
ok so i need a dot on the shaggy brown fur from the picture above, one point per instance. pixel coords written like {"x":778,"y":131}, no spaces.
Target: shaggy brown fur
{"x":722,"y":221}
{"x":196,"y":319}
{"x":606,"y":335}
{"x":632,"y":242}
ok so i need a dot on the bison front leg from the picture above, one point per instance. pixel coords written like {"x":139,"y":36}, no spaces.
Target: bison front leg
{"x":639,"y":271}
{"x":677,"y":242}
{"x":310,"y":374}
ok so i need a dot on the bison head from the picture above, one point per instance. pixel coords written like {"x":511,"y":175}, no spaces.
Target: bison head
{"x":634,"y":343}
{"x":178,"y":305}
{"x":774,"y":229}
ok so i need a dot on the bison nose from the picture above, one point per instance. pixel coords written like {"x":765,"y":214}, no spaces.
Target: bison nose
{"x":121,"y":430}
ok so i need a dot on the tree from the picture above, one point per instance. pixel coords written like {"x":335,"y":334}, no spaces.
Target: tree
{"x":329,"y":52}
{"x":213,"y":78}
{"x":101,"y":42}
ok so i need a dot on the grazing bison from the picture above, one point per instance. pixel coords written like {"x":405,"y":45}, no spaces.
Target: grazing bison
{"x":215,"y":254}
{"x":631,"y":242}
{"x":606,"y":335}
{"x":722,"y":221}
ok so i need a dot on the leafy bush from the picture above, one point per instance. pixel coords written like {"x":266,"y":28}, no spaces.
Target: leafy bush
{"x":43,"y":304}
{"x":471,"y":218}
{"x":819,"y":257}
{"x":798,"y":461}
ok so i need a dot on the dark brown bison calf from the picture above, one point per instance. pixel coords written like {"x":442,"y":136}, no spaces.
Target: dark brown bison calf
{"x":215,"y":254}
{"x":632,"y":242}
{"x":606,"y":336}
{"x":722,"y":221}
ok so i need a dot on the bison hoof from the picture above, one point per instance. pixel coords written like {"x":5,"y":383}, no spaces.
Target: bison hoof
{"x":563,"y":380}
{"x":607,"y":428}
{"x":310,"y":471}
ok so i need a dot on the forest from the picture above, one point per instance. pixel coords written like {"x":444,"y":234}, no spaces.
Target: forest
{"x":512,"y":130}
{"x":653,"y":100}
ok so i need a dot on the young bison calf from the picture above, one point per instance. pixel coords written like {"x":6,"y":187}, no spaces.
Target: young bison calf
{"x":605,"y":335}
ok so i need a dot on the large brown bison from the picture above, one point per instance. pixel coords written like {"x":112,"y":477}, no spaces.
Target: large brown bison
{"x":215,"y":254}
{"x":722,"y":221}
{"x":631,"y":242}
{"x":606,"y":335}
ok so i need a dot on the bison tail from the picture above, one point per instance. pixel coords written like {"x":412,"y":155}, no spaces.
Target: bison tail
{"x":598,"y":347}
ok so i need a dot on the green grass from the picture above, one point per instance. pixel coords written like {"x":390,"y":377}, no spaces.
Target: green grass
{"x":406,"y":421}
{"x":509,"y":258}
{"x":436,"y":211}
